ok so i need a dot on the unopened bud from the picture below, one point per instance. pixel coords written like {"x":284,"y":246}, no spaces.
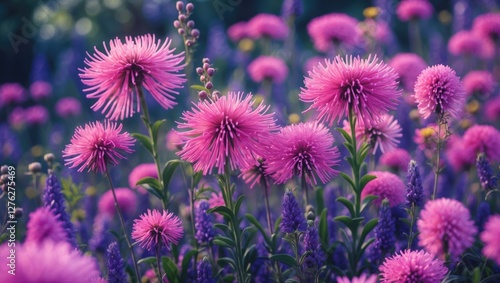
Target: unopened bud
{"x":179,"y":6}
{"x":206,"y":66}
{"x":210,"y":71}
{"x":177,"y":24}
{"x":209,"y":85}
{"x":189,"y":7}
{"x":190,"y":24}
{"x":206,"y":60}
{"x":49,"y":157}
{"x":181,"y":31}
{"x":4,"y":169}
{"x":199,"y":71}
{"x":35,"y":167}
{"x":189,"y":43}
{"x":18,"y":213}
{"x":195,"y":33}
{"x":202,"y":95}
{"x":182,"y":17}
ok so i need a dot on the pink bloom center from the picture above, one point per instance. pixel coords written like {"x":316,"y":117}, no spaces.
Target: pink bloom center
{"x":303,"y":158}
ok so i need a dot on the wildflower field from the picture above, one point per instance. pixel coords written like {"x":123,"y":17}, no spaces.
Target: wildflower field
{"x":249,"y":141}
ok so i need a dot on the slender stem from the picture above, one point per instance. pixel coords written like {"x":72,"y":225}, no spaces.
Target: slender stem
{"x":193,"y":219}
{"x":437,"y":169}
{"x":122,"y":223}
{"x":158,"y":261}
{"x":268,"y":209}
{"x":411,"y":236}
{"x":415,"y":39}
{"x":304,"y":189}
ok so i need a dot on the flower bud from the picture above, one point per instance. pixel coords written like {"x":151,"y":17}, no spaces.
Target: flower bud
{"x":35,"y":167}
{"x":189,"y":7}
{"x":209,"y":85}
{"x":177,"y":24}
{"x":199,"y":71}
{"x":189,"y":43}
{"x":206,"y":66}
{"x":179,"y":6}
{"x":206,"y":60}
{"x":190,"y":24}
{"x":202,"y":78}
{"x":202,"y":95}
{"x":4,"y":169}
{"x":182,"y":17}
{"x":210,"y":71}
{"x":49,"y":157}
{"x":181,"y":31}
{"x":195,"y":33}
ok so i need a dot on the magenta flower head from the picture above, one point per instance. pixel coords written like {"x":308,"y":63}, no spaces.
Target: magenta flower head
{"x":114,"y":77}
{"x":367,"y":86}
{"x":482,"y":138}
{"x":411,"y":10}
{"x":408,"y":66}
{"x":229,"y":129}
{"x":172,"y":141}
{"x":11,"y":93}
{"x":396,"y":159}
{"x":269,"y":68}
{"x":438,"y":90}
{"x":36,"y":115}
{"x":386,"y":186}
{"x":457,"y":154}
{"x":487,"y":25}
{"x":40,"y":90}
{"x":238,"y":31}
{"x":333,"y":29}
{"x":468,"y":43}
{"x":445,"y":228}
{"x":68,"y":107}
{"x":267,"y":25}
{"x":44,"y":225}
{"x":127,"y":201}
{"x":154,"y":229}
{"x":478,"y":83}
{"x":490,"y":238}
{"x":383,"y":134}
{"x":305,"y":148}
{"x":413,"y":266}
{"x":142,"y":171}
{"x":492,"y":109}
{"x":311,"y":63}
{"x":55,"y":263}
{"x":95,"y":145}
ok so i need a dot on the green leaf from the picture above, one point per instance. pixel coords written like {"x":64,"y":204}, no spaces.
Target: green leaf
{"x":363,"y":152}
{"x":228,"y":278}
{"x":346,"y":136}
{"x":197,"y":178}
{"x":320,"y":202}
{"x":168,"y":171}
{"x":323,"y":228}
{"x":348,"y":179}
{"x":347,"y":221}
{"x":223,"y":227}
{"x":154,"y":192}
{"x":365,"y":179}
{"x":155,"y":128}
{"x":199,"y":88}
{"x":249,"y":256}
{"x":284,"y":258}
{"x":367,"y":200}
{"x":171,"y":269}
{"x":223,"y":241}
{"x":145,"y":141}
{"x":147,"y":260}
{"x":257,"y":224}
{"x":366,"y":245}
{"x":237,"y":206}
{"x":152,"y":182}
{"x":367,"y":229}
{"x":223,"y":261}
{"x":185,"y":262}
{"x":222,"y":210}
{"x":347,"y":203}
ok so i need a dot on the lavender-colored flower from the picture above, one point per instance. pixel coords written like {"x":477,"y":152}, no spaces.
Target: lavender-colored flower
{"x":302,"y":149}
{"x":333,"y":29}
{"x":414,"y":188}
{"x":408,"y":66}
{"x":204,"y":272}
{"x":68,"y":107}
{"x":154,"y":228}
{"x":226,"y":130}
{"x":115,"y":76}
{"x":95,"y":145}
{"x":267,"y":25}
{"x":116,"y":265}
{"x":11,"y":93}
{"x":291,"y":8}
{"x":269,"y":68}
{"x":438,"y":90}
{"x":490,"y":238}
{"x":204,"y":223}
{"x":54,"y":200}
{"x":482,"y":214}
{"x":293,"y":218}
{"x":384,"y":233}
{"x":411,"y":10}
{"x":367,"y":86}
{"x":44,"y":226}
{"x":486,"y":177}
{"x":412,"y":266}
{"x":100,"y":234}
{"x":40,"y":90}
{"x":127,"y":201}
{"x":316,"y":258}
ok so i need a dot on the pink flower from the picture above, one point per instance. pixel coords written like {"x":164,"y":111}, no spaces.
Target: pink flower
{"x":238,"y":31}
{"x":478,"y":82}
{"x":368,"y":86}
{"x":43,"y":225}
{"x":445,"y":228}
{"x":492,"y":109}
{"x":268,"y":68}
{"x":468,"y":43}
{"x":173,"y":141}
{"x":491,"y":239}
{"x":397,"y":158}
{"x":487,"y":25}
{"x":426,"y":138}
{"x":363,"y":278}
{"x":386,"y":186}
{"x":115,"y":76}
{"x":438,"y":90}
{"x":142,"y":171}
{"x":456,"y":153}
{"x":127,"y":201}
{"x":11,"y":93}
{"x":413,"y":266}
{"x":409,"y":10}
{"x":312,"y":62}
{"x":40,"y":90}
{"x":36,"y":115}
{"x":408,"y":66}
{"x":155,"y":228}
{"x":68,"y":106}
{"x":254,"y":174}
{"x":48,"y":262}
{"x":17,"y":118}
{"x":330,"y":29}
{"x":482,"y":138}
{"x":228,"y":129}
{"x":383,"y":134}
{"x":305,"y":148}
{"x":97,"y":144}
{"x":267,"y":25}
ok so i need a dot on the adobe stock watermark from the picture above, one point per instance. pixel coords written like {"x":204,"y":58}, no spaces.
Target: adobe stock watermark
{"x":29,"y":29}
{"x":223,"y":6}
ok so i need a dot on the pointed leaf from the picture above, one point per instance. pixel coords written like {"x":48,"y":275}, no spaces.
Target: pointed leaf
{"x":144,"y":140}
{"x":284,"y":258}
{"x":223,"y":241}
{"x":257,"y":224}
{"x":368,"y":228}
{"x":323,"y":228}
{"x":168,"y":171}
{"x":348,"y":179}
{"x":347,"y":221}
{"x":154,"y":192}
{"x":147,"y":260}
{"x":347,"y":203}
{"x":224,"y":211}
{"x":155,"y":128}
{"x":238,"y":203}
{"x":365,"y":179}
{"x":199,"y":88}
{"x":185,"y":262}
{"x":367,"y":200}
{"x":346,"y":136}
{"x":171,"y":269}
{"x":320,"y":202}
{"x":152,"y":182}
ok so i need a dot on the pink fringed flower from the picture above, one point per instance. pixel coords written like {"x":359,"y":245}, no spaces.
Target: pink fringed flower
{"x":238,"y":31}
{"x":330,"y":29}
{"x":228,"y":129}
{"x":482,"y":138}
{"x":438,"y":90}
{"x":49,"y":261}
{"x":386,"y":186}
{"x":487,"y":25}
{"x":408,"y":66}
{"x":142,"y":171}
{"x":254,"y":174}
{"x":363,"y":278}
{"x":409,"y":10}
{"x":40,"y":90}
{"x":95,"y":145}
{"x":173,"y":141}
{"x":492,"y":109}
{"x":36,"y":115}
{"x":368,"y":86}
{"x":305,"y":148}
{"x":127,"y":201}
{"x":68,"y":106}
{"x":268,"y":68}
{"x":445,"y":228}
{"x":397,"y":159}
{"x":468,"y":43}
{"x":383,"y":134}
{"x":17,"y":117}
{"x":456,"y":154}
{"x":114,"y":77}
{"x":491,"y":239}
{"x":11,"y":93}
{"x":267,"y":25}
{"x":478,"y":82}
{"x":155,"y":228}
{"x":311,"y":63}
{"x":43,"y":225}
{"x":413,"y":266}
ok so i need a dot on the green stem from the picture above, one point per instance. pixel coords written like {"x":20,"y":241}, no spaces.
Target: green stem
{"x":122,"y":224}
{"x":268,"y":209}
{"x":437,"y":169}
{"x":158,"y":261}
{"x":304,"y":190}
{"x":411,"y":236}
{"x":415,"y":39}
{"x":193,"y":219}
